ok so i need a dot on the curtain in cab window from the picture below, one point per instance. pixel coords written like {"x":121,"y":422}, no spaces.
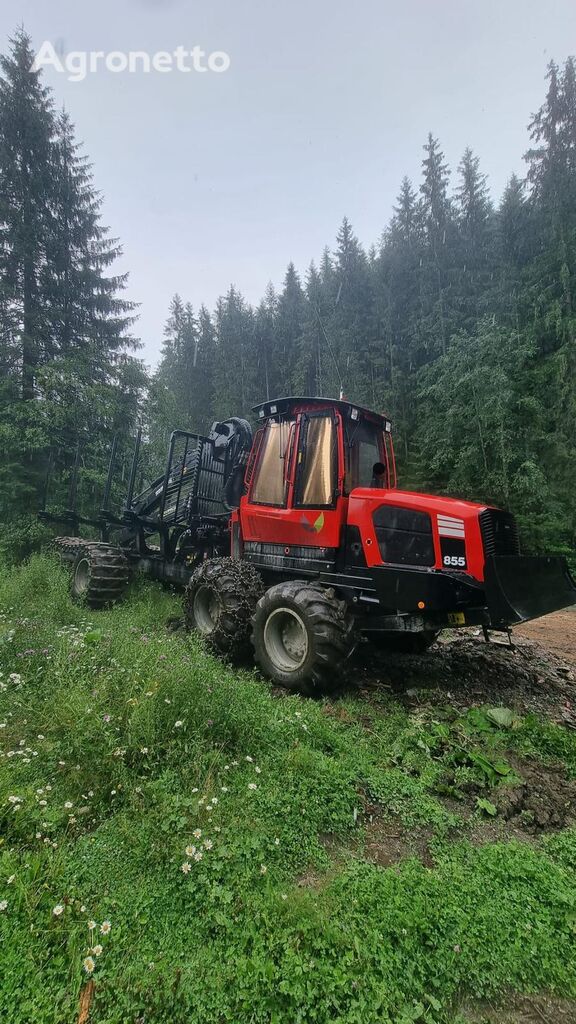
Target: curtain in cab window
{"x":270,"y":486}
{"x":317,"y":471}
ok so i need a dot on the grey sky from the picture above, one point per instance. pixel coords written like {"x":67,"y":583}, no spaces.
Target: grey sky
{"x":211,"y":179}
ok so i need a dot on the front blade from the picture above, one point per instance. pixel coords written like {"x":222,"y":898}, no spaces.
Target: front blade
{"x":522,"y":587}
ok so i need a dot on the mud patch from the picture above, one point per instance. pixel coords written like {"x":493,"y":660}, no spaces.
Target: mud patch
{"x":540,"y":798}
{"x":466,"y":672}
{"x":543,"y":801}
{"x":540,"y":1009}
{"x":388,"y":843}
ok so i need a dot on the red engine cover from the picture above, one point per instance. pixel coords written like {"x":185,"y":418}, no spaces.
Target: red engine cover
{"x":452,"y":519}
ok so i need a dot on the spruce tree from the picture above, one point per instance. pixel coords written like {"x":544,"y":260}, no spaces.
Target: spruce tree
{"x":437,"y":218}
{"x":288,"y":326}
{"x":65,"y":327}
{"x":474,"y":256}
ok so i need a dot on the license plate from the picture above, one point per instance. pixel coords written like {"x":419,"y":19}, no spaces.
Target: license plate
{"x":456,"y":618}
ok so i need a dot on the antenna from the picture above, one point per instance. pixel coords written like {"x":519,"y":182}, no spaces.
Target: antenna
{"x":329,"y":346}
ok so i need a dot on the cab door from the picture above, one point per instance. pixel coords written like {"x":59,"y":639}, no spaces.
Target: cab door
{"x":294,"y":506}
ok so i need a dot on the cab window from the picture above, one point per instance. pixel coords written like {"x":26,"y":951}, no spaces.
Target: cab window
{"x":270,"y":480}
{"x":363,"y":449}
{"x":316,"y":482}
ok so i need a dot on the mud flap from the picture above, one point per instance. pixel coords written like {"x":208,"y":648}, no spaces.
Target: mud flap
{"x":521,"y":587}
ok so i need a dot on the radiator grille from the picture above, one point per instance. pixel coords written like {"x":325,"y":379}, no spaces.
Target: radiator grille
{"x":499,"y":532}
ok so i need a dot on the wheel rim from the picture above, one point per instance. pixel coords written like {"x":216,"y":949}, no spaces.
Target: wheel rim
{"x":206,"y":610}
{"x":286,"y":639}
{"x":82,"y":576}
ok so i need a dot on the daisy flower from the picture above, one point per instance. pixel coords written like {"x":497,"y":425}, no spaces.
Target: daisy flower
{"x":58,"y":909}
{"x":3,"y":904}
{"x":186,"y":867}
{"x":92,"y":925}
{"x":197,"y":833}
{"x":198,"y":855}
{"x":252,"y":785}
{"x":263,"y":869}
{"x":97,"y":950}
{"x":89,"y":964}
{"x":105,"y":927}
{"x":208,"y":844}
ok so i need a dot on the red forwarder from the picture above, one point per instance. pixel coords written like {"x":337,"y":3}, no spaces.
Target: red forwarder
{"x":298,"y":542}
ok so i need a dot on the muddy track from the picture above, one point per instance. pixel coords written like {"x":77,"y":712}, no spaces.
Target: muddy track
{"x":461,"y":669}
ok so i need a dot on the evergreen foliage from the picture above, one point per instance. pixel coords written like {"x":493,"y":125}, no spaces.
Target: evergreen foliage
{"x":68,"y":379}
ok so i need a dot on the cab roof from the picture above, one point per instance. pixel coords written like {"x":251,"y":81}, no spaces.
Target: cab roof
{"x":278,"y":407}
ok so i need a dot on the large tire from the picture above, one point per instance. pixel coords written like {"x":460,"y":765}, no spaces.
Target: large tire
{"x":67,"y":548}
{"x":302,"y":633}
{"x":100,"y":574}
{"x":405,"y":643}
{"x":219,"y":604}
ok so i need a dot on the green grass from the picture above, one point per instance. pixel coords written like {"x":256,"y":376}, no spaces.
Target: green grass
{"x":117,"y":737}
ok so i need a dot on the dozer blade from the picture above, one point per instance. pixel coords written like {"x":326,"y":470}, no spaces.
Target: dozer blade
{"x":521,"y":587}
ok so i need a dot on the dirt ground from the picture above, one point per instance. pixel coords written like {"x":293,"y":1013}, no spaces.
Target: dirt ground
{"x":536,"y":674}
{"x":555,"y":632}
{"x":540,"y":1009}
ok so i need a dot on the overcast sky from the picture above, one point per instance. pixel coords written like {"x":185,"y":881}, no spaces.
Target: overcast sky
{"x":218,"y":178}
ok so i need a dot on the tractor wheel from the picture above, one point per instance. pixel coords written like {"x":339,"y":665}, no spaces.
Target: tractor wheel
{"x":405,"y":643}
{"x":66,"y":548}
{"x":219,"y":604}
{"x":100,"y":574}
{"x":301,"y":635}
